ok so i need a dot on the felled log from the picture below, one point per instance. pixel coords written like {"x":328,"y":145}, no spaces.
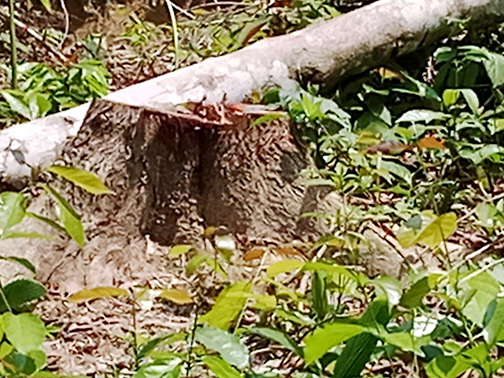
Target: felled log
{"x":324,"y":53}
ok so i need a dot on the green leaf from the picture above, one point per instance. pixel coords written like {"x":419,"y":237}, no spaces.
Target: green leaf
{"x":494,"y":66}
{"x":26,"y":331}
{"x":435,"y":230}
{"x":85,"y":180}
{"x":47,"y":5}
{"x":20,"y":363}
{"x":471,"y":99}
{"x":278,"y":337}
{"x":21,"y":292}
{"x":195,"y":262}
{"x":414,"y":296}
{"x":228,"y":305}
{"x":450,"y":97}
{"x":68,"y":217}
{"x":358,"y":349}
{"x":46,"y":220}
{"x":16,"y":104}
{"x":226,"y":344}
{"x":405,"y":341}
{"x":283,"y":266}
{"x":319,"y":294}
{"x":422,"y":115}
{"x":494,"y":327}
{"x":97,"y":293}
{"x":12,"y":211}
{"x":166,"y":368}
{"x":221,"y":368}
{"x":267,"y":118}
{"x":446,"y":367}
{"x":180,"y":249}
{"x":398,"y":170}
{"x":326,"y":337}
{"x":178,"y":296}
{"x":19,"y":260}
{"x":389,"y":288}
{"x":481,"y":289}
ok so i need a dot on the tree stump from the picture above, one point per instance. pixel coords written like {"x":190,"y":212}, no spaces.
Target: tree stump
{"x":173,"y":174}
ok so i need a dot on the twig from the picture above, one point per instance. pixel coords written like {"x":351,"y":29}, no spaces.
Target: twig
{"x":67,"y":22}
{"x":183,"y":11}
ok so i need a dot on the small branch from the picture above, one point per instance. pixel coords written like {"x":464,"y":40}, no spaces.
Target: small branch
{"x":67,"y":22}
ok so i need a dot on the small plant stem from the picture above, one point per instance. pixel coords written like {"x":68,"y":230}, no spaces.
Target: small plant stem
{"x":134,"y":342}
{"x":4,"y":298}
{"x":13,"y":44}
{"x":189,"y":362}
{"x":173,"y":19}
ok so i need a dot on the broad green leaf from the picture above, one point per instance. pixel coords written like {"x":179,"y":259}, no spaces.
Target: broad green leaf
{"x":16,"y":104}
{"x":177,"y":296}
{"x":358,"y":349}
{"x":398,"y":170}
{"x":160,"y":368}
{"x":450,"y":97}
{"x":434,"y":231}
{"x":283,"y":266}
{"x":494,"y":327}
{"x":26,"y":331}
{"x":279,"y":337}
{"x":221,"y":368}
{"x":39,"y":357}
{"x":228,"y":305}
{"x":446,"y":367}
{"x":85,"y":180}
{"x":226,"y":344}
{"x":494,"y":66}
{"x":26,"y":235}
{"x":471,"y":99}
{"x":97,"y":293}
{"x":481,"y":290}
{"x":422,"y":115}
{"x":19,"y":260}
{"x":389,"y":288}
{"x":195,"y":262}
{"x":5,"y":348}
{"x":180,"y":249}
{"x":326,"y":337}
{"x":68,"y":217}
{"x":12,"y":211}
{"x":20,"y":292}
{"x":405,"y":341}
{"x":20,"y":363}
{"x":264,"y":302}
{"x":414,"y":296}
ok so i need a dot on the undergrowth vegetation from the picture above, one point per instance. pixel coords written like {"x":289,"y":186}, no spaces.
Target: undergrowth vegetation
{"x":416,"y":154}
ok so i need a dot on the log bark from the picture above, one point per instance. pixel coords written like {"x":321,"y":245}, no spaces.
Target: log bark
{"x":326,"y":53}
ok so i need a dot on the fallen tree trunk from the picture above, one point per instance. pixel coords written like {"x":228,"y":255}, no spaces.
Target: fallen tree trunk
{"x":325,"y":53}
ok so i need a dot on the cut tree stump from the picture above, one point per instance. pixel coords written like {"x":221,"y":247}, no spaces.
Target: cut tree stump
{"x":173,"y":174}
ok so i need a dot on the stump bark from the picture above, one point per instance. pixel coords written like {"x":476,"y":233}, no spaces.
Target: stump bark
{"x":173,"y":174}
